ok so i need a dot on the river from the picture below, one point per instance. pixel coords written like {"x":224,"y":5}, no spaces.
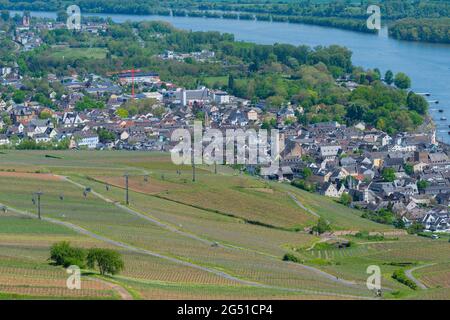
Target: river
{"x":427,"y":64}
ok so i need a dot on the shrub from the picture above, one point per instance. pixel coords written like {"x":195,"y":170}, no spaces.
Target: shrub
{"x":291,"y":257}
{"x":304,"y":185}
{"x":346,"y":199}
{"x":322,"y":226}
{"x":108,"y":261}
{"x":62,"y":254}
{"x":401,"y":277}
{"x":415,"y":228}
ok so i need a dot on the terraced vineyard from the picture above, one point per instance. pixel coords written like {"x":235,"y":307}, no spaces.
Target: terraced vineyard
{"x":222,"y":236}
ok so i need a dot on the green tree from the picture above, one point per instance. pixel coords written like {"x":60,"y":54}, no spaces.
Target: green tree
{"x":306,"y":173}
{"x":105,"y":136}
{"x":230,"y":83}
{"x":123,"y":113}
{"x":409,"y":169}
{"x":322,"y":226}
{"x":422,"y":185}
{"x":402,"y":81}
{"x":346,"y":199}
{"x":415,"y":228}
{"x":417,"y":103}
{"x":63,"y":254}
{"x":389,"y":77}
{"x":108,"y":261}
{"x":388,"y":174}
{"x":45,"y":115}
{"x":19,"y":96}
{"x":4,"y":15}
{"x":87,"y":103}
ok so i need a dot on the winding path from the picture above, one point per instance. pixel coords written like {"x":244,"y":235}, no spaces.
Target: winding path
{"x":123,"y":293}
{"x":414,"y":279}
{"x":188,"y":264}
{"x":140,"y":215}
{"x":293,"y":197}
{"x":132,"y":248}
{"x":192,"y":236}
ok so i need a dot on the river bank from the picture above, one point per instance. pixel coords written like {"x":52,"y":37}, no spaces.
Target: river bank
{"x":427,"y":64}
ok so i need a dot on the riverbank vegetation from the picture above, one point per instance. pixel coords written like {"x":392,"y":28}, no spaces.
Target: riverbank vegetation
{"x":429,"y":30}
{"x":350,"y":15}
{"x":269,"y":75}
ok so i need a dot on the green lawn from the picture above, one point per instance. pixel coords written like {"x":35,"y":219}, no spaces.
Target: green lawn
{"x":79,"y":53}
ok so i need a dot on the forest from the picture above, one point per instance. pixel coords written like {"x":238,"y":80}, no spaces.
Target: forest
{"x":429,"y":30}
{"x":344,"y":14}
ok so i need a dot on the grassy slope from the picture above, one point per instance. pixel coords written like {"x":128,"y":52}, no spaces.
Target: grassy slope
{"x":94,"y":215}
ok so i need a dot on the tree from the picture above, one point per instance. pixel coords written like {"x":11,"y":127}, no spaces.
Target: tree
{"x":123,"y":113}
{"x":108,"y":261}
{"x":5,"y":15}
{"x":19,"y":96}
{"x":322,"y":226}
{"x":399,"y":224}
{"x":230,"y":83}
{"x":417,"y":103}
{"x":63,"y":254}
{"x":422,"y":185}
{"x":87,"y":103}
{"x":61,"y":16}
{"x":105,"y":136}
{"x":45,"y":115}
{"x":389,"y":77}
{"x":306,"y":173}
{"x":402,"y":81}
{"x":415,"y":228}
{"x":388,"y":174}
{"x":409,"y":169}
{"x":346,"y":199}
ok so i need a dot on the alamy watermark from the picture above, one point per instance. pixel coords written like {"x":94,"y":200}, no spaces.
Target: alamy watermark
{"x":373,"y":282}
{"x":73,"y":282}
{"x":73,"y":21}
{"x":374,"y":21}
{"x":236,"y":146}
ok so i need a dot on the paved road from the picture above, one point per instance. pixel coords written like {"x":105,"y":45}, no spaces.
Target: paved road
{"x":417,"y":281}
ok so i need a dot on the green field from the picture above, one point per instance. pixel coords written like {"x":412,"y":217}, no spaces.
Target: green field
{"x":222,"y":236}
{"x":78,"y":53}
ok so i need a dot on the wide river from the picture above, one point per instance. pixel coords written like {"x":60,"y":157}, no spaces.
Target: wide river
{"x":427,"y":64}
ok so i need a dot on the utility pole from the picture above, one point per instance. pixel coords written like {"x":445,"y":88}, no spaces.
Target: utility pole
{"x":193,"y":165}
{"x":132,"y":82}
{"x":126,"y":189}
{"x":38,"y":194}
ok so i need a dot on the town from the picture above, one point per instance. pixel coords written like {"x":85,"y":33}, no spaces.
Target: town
{"x":401,"y":179}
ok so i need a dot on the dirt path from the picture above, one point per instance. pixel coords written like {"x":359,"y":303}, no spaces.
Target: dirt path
{"x":293,"y":197}
{"x":132,"y":248}
{"x":123,"y":293}
{"x":142,"y":216}
{"x":188,"y":264}
{"x":319,"y":272}
{"x":414,"y":279}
